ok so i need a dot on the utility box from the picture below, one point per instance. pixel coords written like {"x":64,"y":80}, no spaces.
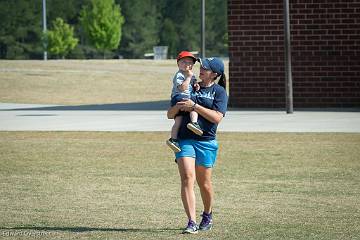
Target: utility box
{"x":160,"y":52}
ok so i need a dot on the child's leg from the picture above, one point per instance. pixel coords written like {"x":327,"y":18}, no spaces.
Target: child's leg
{"x":193,"y":125}
{"x":175,"y":128}
{"x":193,"y":116}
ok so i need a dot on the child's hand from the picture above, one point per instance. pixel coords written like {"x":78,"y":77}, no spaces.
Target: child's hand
{"x":188,"y":72}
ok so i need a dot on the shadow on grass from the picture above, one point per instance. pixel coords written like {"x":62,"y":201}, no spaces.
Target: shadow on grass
{"x":92,"y":229}
{"x":155,"y":105}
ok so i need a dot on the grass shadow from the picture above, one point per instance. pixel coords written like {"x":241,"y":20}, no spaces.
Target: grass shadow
{"x":91,"y":229}
{"x":135,"y":106}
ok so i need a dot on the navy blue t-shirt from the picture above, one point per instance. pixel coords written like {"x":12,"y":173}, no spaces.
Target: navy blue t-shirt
{"x":213,"y":97}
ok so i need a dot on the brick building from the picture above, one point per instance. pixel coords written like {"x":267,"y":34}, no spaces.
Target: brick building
{"x":325,"y":47}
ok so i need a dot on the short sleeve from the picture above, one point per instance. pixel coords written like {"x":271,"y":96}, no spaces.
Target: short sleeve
{"x":179,"y":79}
{"x":220,"y":100}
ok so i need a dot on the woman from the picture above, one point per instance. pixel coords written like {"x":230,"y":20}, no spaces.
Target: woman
{"x":198,"y":153}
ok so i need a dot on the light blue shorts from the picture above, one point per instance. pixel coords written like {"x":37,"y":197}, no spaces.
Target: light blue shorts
{"x":204,"y":152}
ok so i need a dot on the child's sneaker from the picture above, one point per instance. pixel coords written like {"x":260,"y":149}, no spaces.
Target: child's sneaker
{"x":195,"y":128}
{"x":191,"y":227}
{"x":206,"y":222}
{"x":173,"y":144}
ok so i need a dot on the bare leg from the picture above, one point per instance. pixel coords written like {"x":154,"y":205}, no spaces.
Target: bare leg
{"x":175,"y":128}
{"x":194,"y":126}
{"x":194,"y":116}
{"x":203,"y":178}
{"x":186,"y":167}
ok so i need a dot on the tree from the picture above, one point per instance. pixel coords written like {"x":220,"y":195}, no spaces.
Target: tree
{"x":102,"y":22}
{"x":20,"y":30}
{"x":141,"y":28}
{"x":216,"y":37}
{"x":148,"y":23}
{"x":60,"y":40}
{"x":181,"y":25}
{"x":169,"y":37}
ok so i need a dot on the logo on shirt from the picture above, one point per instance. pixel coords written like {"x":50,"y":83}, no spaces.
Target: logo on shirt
{"x":208,"y":95}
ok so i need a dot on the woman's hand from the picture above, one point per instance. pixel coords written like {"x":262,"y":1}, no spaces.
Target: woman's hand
{"x":196,"y":86}
{"x":186,"y":105}
{"x":211,"y":115}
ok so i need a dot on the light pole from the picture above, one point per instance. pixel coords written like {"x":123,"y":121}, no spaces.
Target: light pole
{"x":288,"y":73}
{"x":44,"y":29}
{"x":202,"y":55}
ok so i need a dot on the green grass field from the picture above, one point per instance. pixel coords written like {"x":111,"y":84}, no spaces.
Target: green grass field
{"x":85,"y":81}
{"x":74,"y":82}
{"x":101,"y":185}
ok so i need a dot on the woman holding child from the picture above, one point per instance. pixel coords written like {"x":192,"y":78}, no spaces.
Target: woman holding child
{"x":199,"y":151}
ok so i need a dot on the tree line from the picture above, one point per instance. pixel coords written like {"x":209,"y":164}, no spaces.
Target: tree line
{"x":79,"y":29}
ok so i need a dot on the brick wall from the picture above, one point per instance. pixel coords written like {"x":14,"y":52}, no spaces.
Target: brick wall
{"x":325,"y":45}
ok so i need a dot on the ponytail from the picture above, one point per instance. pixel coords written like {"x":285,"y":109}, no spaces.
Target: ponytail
{"x":222,"y":81}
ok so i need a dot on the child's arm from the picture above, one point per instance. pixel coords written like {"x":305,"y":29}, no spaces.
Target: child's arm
{"x":185,"y":84}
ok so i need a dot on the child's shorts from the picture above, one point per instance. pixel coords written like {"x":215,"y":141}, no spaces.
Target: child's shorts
{"x":178,"y":98}
{"x":204,"y":152}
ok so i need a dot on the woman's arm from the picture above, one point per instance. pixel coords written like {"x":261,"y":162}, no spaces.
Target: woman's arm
{"x":209,"y":114}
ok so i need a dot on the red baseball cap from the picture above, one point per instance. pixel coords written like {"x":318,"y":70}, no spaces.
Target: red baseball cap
{"x":185,"y":54}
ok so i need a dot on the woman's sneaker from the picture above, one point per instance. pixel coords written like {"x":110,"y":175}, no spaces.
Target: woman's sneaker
{"x":195,"y":128}
{"x":173,"y":144}
{"x":206,"y":222}
{"x":191,"y":227}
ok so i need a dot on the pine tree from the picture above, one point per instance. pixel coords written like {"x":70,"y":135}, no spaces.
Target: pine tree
{"x":102,"y":22}
{"x":169,"y":37}
{"x":141,"y":29}
{"x":20,"y":29}
{"x":181,"y":21}
{"x":216,"y":28}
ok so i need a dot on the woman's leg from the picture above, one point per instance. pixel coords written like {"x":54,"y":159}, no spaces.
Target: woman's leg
{"x":203,"y":178}
{"x":186,"y":167}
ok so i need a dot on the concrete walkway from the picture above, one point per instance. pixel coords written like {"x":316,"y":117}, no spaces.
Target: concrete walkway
{"x":30,"y":117}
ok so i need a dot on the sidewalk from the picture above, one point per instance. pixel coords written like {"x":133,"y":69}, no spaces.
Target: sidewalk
{"x":29,"y":117}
